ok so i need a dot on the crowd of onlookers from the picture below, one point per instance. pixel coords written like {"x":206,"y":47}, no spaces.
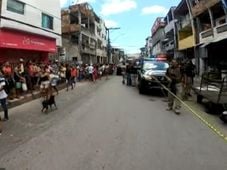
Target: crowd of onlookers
{"x":22,"y":77}
{"x":25,"y":77}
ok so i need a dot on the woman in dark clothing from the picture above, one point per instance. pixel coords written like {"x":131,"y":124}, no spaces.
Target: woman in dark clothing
{"x":68,"y":77}
{"x":18,"y":79}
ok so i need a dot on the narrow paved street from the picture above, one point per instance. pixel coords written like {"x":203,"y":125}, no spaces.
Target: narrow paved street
{"x":108,"y":126}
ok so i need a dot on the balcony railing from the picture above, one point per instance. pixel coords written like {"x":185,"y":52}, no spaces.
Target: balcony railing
{"x":220,"y":32}
{"x":206,"y":36}
{"x":88,"y":50}
{"x":206,"y":33}
{"x":221,"y":28}
{"x":202,"y":6}
{"x":100,"y":52}
{"x":75,"y":28}
{"x":87,"y":31}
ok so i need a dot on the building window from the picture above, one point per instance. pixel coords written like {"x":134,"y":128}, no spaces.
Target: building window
{"x":47,"y":21}
{"x":15,"y":6}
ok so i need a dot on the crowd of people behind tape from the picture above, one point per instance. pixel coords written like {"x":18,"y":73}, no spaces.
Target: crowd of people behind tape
{"x":20,"y":78}
{"x":27,"y":76}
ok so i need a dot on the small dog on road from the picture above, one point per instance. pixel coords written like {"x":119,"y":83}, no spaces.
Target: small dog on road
{"x":48,"y":103}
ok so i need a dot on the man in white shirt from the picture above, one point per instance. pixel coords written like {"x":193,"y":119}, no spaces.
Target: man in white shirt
{"x":3,"y":97}
{"x":90,"y":71}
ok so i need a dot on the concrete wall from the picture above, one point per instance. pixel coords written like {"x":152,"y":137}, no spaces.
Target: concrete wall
{"x":159,"y":35}
{"x":71,"y":50}
{"x":157,"y":49}
{"x":103,"y":34}
{"x":102,"y":38}
{"x":33,"y":17}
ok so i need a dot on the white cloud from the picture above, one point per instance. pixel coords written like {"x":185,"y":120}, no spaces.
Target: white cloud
{"x":63,"y":2}
{"x":117,"y":6}
{"x":70,"y":2}
{"x":110,"y":23}
{"x":82,"y":1}
{"x":155,"y":9}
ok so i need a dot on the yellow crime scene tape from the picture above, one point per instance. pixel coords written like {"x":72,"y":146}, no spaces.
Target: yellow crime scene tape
{"x":206,"y":122}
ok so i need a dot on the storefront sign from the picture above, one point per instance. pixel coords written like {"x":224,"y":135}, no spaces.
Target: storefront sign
{"x":26,"y":41}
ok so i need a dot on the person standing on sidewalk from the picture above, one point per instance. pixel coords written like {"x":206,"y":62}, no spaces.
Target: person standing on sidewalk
{"x":123,"y":72}
{"x":128,"y":74}
{"x":95,"y":73}
{"x":73,"y":76}
{"x":90,"y":72}
{"x":68,"y":77}
{"x":188,"y":76}
{"x":8,"y":73}
{"x":174,"y":76}
{"x":3,"y":97}
{"x":54,"y":80}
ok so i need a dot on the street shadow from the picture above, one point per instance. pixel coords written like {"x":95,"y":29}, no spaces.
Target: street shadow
{"x":156,"y":93}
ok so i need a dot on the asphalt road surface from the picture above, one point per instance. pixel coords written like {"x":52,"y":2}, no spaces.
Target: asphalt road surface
{"x":108,"y":126}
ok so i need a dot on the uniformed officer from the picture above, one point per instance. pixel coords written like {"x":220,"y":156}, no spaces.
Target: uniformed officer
{"x":174,"y":76}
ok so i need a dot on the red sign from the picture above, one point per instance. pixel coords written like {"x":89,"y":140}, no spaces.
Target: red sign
{"x":26,"y":41}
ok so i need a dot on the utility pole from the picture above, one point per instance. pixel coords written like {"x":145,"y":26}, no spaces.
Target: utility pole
{"x":108,"y":43}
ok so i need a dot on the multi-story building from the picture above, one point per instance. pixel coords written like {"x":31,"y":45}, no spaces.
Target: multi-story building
{"x":158,"y":36}
{"x":185,"y":31}
{"x":84,"y":34}
{"x":29,"y":29}
{"x":210,"y":18}
{"x":143,"y":52}
{"x":101,"y":35}
{"x":117,"y":55}
{"x":170,"y":41}
{"x":148,"y":46}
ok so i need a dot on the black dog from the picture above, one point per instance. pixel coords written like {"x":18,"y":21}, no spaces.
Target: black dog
{"x":49,"y":102}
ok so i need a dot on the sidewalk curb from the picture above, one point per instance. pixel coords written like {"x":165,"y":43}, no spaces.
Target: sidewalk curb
{"x":28,"y":97}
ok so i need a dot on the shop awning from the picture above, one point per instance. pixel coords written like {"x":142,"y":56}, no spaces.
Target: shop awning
{"x":26,"y":41}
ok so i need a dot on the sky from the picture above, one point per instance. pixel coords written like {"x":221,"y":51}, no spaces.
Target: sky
{"x":134,"y":18}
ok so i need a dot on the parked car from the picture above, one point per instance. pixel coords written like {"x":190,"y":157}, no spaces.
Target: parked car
{"x":149,"y":73}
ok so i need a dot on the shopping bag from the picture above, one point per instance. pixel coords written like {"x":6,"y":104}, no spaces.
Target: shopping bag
{"x":18,"y":85}
{"x":24,"y":87}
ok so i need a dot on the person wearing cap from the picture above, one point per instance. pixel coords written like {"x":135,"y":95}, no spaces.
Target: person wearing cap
{"x":174,"y":76}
